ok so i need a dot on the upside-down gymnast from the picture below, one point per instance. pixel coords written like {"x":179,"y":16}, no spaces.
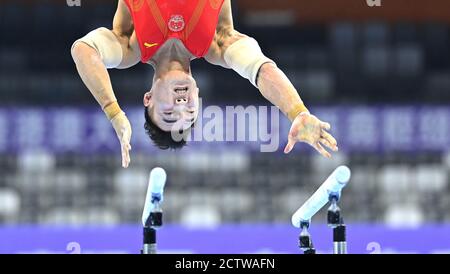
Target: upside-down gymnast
{"x":168,"y":35}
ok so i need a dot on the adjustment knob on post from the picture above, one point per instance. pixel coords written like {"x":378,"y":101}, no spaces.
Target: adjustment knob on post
{"x":305,"y":242}
{"x":334,"y":212}
{"x":155,"y":220}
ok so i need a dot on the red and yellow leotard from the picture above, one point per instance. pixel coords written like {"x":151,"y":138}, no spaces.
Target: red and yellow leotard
{"x":193,"y":22}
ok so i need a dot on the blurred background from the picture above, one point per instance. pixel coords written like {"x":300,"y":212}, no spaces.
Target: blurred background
{"x":379,"y":75}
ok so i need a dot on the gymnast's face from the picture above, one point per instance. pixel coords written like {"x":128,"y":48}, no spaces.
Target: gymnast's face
{"x":173,"y":101}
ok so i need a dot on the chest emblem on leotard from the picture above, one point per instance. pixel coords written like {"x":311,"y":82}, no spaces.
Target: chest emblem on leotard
{"x":176,"y":23}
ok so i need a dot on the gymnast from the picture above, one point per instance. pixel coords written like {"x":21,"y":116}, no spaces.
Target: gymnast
{"x":168,"y":35}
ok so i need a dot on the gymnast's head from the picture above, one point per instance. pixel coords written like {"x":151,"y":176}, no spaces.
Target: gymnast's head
{"x":171,"y":109}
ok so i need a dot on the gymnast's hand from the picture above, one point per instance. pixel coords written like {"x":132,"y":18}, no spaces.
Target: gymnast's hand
{"x":123,"y":130}
{"x":309,"y":129}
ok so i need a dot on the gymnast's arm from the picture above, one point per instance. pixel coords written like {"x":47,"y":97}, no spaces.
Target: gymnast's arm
{"x":269,"y":79}
{"x":234,"y":50}
{"x":100,"y":50}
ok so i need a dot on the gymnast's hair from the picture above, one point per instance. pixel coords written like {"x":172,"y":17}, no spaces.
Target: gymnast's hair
{"x":163,"y":139}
